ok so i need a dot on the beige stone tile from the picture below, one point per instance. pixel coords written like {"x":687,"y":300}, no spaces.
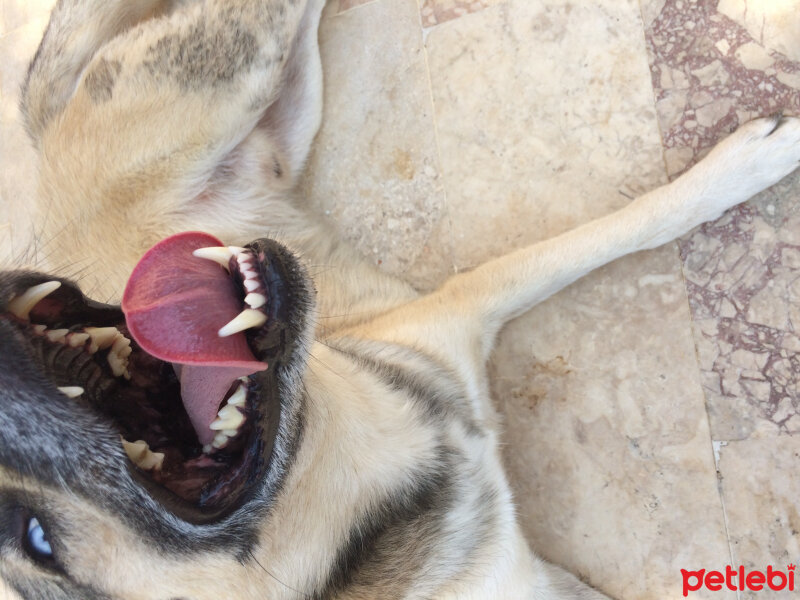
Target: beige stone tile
{"x":761,"y":490}
{"x":545,"y":118}
{"x":374,"y":165}
{"x":609,"y":450}
{"x":774,"y":23}
{"x":435,"y":12}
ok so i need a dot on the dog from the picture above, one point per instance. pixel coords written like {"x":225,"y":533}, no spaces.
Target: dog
{"x":212,"y":437}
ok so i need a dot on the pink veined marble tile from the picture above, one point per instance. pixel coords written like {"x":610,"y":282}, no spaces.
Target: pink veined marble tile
{"x":742,"y":272}
{"x":343,"y":5}
{"x":435,"y":12}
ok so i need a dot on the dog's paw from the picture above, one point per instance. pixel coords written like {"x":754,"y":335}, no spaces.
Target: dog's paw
{"x":754,"y":157}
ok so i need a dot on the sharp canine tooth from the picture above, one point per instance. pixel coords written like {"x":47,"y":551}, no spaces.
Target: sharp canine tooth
{"x":246,"y":319}
{"x":57,"y":335}
{"x":71,"y":391}
{"x":102,"y":337}
{"x":255,"y":300}
{"x":237,"y":250}
{"x":239,"y":397}
{"x":21,"y":306}
{"x":77,"y":339}
{"x":219,"y":254}
{"x":251,"y":285}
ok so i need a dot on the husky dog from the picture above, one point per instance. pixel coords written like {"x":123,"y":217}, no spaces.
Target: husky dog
{"x":208,"y":439}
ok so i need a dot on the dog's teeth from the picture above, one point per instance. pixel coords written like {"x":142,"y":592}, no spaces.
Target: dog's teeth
{"x":219,"y":254}
{"x":246,"y":319}
{"x":237,"y":250}
{"x":76,"y":340}
{"x":57,"y":335}
{"x":102,"y":337}
{"x":40,"y":329}
{"x":238,"y":397}
{"x":207,"y":449}
{"x":255,"y":300}
{"x":219,"y":440}
{"x":141,"y":455}
{"x":250,"y":274}
{"x":228,"y":417}
{"x":71,"y":391}
{"x":251,"y":285}
{"x":230,"y":432}
{"x":244,"y":257}
{"x":118,"y":364}
{"x":120,"y":343}
{"x":21,"y":306}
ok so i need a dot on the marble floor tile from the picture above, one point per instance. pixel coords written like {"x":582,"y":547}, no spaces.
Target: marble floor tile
{"x":375,"y":164}
{"x":546,"y":119}
{"x":760,"y":488}
{"x":608,"y":441}
{"x":715,"y":67}
{"x":435,"y":12}
{"x":525,"y":156}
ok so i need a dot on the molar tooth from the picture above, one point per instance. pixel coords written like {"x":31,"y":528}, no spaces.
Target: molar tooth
{"x":40,"y":329}
{"x":246,"y":319}
{"x":228,"y":417}
{"x":230,"y":432}
{"x":255,"y":300}
{"x":220,"y":440}
{"x":238,"y":397}
{"x":244,"y":257}
{"x":102,"y":337}
{"x":76,"y":340}
{"x":219,"y":254}
{"x":120,"y":342}
{"x":251,"y":285}
{"x":250,"y":274}
{"x":118,"y":365}
{"x":21,"y":306}
{"x":141,"y":455}
{"x":71,"y":391}
{"x":57,"y":335}
{"x":207,"y":449}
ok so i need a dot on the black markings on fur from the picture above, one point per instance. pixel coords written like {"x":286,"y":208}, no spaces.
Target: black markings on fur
{"x":434,"y":389}
{"x":276,"y":166}
{"x":390,"y":543}
{"x":203,"y":55}
{"x":99,"y":82}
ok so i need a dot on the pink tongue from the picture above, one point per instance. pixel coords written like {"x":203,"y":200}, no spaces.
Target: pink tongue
{"x":174,"y":304}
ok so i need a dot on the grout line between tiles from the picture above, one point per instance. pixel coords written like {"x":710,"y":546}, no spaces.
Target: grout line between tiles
{"x":676,"y":244}
{"x":449,"y":236}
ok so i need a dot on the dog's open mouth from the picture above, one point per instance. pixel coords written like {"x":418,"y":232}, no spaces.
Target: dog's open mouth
{"x":185,"y":370}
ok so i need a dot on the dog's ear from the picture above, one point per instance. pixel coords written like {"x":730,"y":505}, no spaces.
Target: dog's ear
{"x":293,"y":119}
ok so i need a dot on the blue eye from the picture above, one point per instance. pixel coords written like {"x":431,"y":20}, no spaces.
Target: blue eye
{"x":38,"y":545}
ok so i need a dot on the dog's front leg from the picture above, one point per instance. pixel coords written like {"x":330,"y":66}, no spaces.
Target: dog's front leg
{"x":753,"y":158}
{"x":462,"y":318}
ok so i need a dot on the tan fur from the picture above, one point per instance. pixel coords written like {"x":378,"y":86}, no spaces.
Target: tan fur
{"x":131,"y":155}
